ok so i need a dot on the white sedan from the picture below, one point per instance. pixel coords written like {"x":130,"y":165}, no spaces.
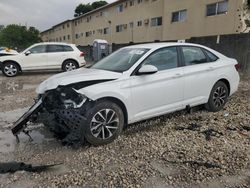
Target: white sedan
{"x":43,"y":56}
{"x":133,"y":84}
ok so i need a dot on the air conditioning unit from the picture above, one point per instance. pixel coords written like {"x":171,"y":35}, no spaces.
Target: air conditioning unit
{"x":146,"y":21}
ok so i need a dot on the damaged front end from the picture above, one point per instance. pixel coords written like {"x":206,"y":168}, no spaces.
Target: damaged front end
{"x":63,"y":110}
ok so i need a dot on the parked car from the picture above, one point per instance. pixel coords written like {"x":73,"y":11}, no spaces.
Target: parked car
{"x":7,"y":51}
{"x":132,"y":84}
{"x":43,"y":56}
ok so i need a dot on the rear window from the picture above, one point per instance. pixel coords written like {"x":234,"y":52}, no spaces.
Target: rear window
{"x":59,"y":48}
{"x":55,"y":48}
{"x":211,"y":56}
{"x":68,"y":48}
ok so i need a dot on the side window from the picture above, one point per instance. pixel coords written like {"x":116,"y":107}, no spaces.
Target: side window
{"x":68,"y":48}
{"x":193,"y":56}
{"x":55,"y":48}
{"x":211,"y":56}
{"x":163,"y":59}
{"x":38,"y":49}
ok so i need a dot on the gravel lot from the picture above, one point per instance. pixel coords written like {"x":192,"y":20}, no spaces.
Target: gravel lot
{"x":200,"y":149}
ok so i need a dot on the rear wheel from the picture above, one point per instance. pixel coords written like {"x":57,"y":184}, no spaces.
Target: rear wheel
{"x":69,"y":65}
{"x":105,"y":122}
{"x":218,"y":97}
{"x":10,"y":69}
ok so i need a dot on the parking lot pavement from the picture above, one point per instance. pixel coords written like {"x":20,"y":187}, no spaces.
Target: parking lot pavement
{"x":200,"y":149}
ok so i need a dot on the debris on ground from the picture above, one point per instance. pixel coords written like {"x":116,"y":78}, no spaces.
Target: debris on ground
{"x":195,"y":127}
{"x":12,"y":167}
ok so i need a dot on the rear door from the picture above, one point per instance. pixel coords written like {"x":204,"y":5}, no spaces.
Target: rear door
{"x":161,"y":92}
{"x":56,"y":55}
{"x":199,"y":75}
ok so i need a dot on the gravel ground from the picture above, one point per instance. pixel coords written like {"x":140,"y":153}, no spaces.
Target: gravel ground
{"x":175,"y":150}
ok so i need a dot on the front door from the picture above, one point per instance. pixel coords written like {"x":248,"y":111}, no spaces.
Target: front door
{"x":161,"y":92}
{"x":36,"y":58}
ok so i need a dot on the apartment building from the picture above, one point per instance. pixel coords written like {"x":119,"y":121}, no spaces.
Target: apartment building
{"x":139,"y":21}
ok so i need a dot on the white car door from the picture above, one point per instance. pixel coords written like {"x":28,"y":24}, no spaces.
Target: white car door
{"x":161,"y":92}
{"x":34,"y":58}
{"x":56,"y":56}
{"x":199,"y":75}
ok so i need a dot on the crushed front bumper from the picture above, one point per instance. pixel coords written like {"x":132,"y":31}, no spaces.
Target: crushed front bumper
{"x":67,"y":124}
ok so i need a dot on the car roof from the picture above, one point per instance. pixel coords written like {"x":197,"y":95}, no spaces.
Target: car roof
{"x":163,"y":44}
{"x":53,"y":43}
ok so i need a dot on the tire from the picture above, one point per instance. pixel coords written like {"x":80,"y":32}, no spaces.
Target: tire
{"x":69,"y":65}
{"x":218,"y":97}
{"x":10,"y":69}
{"x":98,"y":131}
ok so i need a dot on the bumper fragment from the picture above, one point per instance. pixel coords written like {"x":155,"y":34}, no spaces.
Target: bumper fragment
{"x":20,"y":125}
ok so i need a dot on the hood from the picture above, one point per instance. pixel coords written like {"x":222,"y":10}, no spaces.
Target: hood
{"x":76,"y":76}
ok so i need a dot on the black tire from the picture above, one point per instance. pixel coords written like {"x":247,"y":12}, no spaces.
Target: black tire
{"x":218,"y":97}
{"x":10,"y":69}
{"x":69,"y":65}
{"x":116,"y":121}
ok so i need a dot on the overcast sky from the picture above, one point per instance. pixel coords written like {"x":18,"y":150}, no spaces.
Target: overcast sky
{"x":39,"y":13}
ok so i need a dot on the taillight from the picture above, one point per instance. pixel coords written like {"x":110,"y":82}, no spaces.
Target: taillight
{"x":82,"y":54}
{"x":237,"y":66}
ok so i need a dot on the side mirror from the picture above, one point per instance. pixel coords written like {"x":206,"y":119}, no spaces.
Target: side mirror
{"x":147,"y":69}
{"x":27,"y":53}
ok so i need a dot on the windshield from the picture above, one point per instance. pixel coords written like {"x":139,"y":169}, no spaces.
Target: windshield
{"x":121,"y":60}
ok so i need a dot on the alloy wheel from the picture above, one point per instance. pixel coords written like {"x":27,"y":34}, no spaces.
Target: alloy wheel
{"x":10,"y":70}
{"x":219,"y":96}
{"x":104,"y":124}
{"x":70,"y":66}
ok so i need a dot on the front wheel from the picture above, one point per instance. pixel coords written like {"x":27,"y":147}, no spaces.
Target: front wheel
{"x":69,"y":65}
{"x":218,"y":97}
{"x":105,"y":122}
{"x":10,"y":69}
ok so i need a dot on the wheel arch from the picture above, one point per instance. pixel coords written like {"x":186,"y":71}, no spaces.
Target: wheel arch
{"x":120,"y":104}
{"x":12,"y":61}
{"x":225,"y":81}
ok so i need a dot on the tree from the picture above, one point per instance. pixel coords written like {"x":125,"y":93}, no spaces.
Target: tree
{"x":85,"y":8}
{"x":98,"y":4}
{"x":20,"y":37}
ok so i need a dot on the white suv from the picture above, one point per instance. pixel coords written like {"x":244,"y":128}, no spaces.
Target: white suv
{"x":43,"y":56}
{"x":133,"y":84}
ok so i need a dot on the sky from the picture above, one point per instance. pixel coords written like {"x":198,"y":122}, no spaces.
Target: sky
{"x":41,"y":14}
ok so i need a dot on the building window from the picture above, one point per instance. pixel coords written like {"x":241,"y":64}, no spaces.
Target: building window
{"x":88,"y":19}
{"x":179,"y":16}
{"x":64,"y":37}
{"x":156,"y":21}
{"x":105,"y":30}
{"x":131,"y":3}
{"x":217,"y":8}
{"x":139,"y":23}
{"x":68,"y":37}
{"x":77,"y":36}
{"x":120,"y":8}
{"x":119,"y":28}
{"x":131,"y":24}
{"x":139,"y":1}
{"x":68,"y":25}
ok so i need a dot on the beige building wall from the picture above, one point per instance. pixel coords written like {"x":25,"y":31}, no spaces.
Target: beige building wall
{"x":111,"y":18}
{"x":197,"y":23}
{"x":85,"y":29}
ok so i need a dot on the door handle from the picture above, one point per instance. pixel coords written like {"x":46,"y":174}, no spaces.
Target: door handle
{"x":177,"y":75}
